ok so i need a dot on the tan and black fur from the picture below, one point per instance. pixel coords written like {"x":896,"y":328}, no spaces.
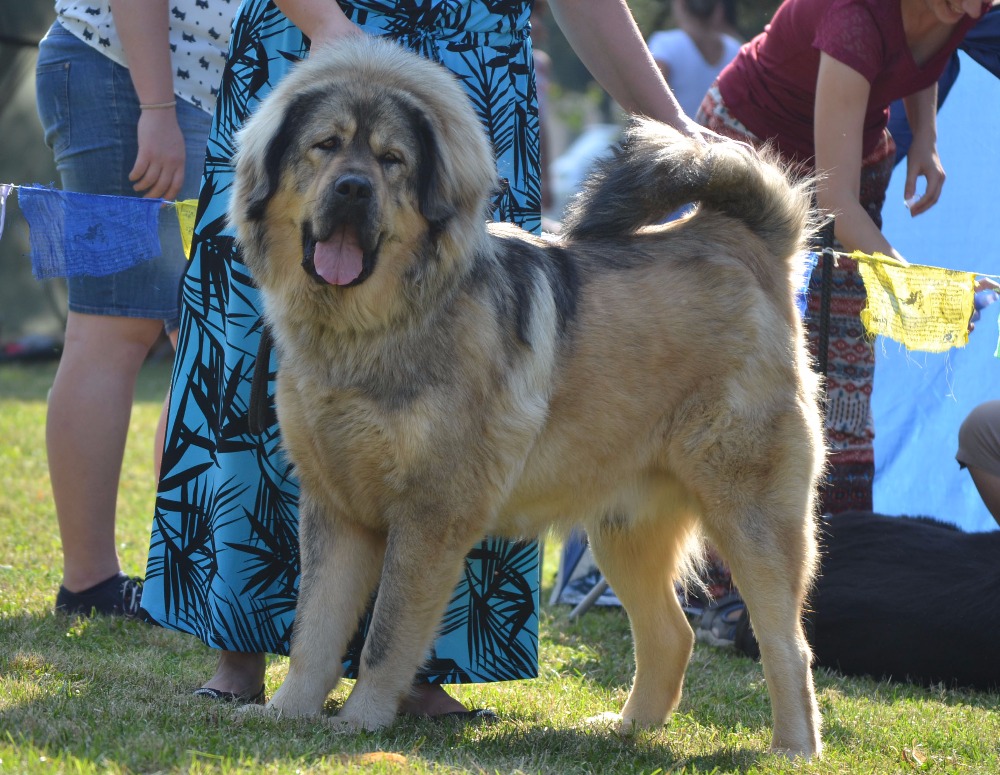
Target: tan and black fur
{"x":651,"y":382}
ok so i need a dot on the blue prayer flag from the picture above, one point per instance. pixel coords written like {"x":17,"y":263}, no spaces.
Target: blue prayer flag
{"x":809,"y":261}
{"x":75,"y":234}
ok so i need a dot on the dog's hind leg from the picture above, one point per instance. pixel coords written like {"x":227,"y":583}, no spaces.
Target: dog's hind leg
{"x":639,"y":562}
{"x":770,"y":549}
{"x":340,"y":568}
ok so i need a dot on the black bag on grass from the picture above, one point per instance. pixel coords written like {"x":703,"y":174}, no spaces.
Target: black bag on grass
{"x":904,"y":598}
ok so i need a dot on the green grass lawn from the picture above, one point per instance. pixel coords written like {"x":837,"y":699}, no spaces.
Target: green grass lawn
{"x":109,"y":696}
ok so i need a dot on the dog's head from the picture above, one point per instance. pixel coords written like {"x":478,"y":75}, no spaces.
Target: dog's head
{"x":366,"y":166}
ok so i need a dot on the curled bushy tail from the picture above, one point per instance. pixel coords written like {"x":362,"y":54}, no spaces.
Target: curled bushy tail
{"x":658,"y":170}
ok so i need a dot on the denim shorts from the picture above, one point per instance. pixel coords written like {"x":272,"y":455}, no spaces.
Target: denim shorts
{"x":89,"y":111}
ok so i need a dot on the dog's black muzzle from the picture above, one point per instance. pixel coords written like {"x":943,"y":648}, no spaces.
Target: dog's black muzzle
{"x":350,"y":201}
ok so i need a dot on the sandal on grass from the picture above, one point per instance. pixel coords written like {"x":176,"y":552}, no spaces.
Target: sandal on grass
{"x":233,"y":697}
{"x":474,"y":716}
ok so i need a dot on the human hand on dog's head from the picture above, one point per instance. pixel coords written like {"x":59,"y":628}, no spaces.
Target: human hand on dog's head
{"x":711,"y":136}
{"x":707,"y":135}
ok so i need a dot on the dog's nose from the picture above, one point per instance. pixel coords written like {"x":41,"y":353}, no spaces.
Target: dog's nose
{"x":353,"y":188}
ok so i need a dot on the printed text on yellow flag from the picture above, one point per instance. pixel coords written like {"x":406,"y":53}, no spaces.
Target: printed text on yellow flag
{"x":923,"y":307}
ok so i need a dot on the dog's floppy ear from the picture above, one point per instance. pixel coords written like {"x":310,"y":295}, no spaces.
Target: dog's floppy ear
{"x":436,"y":203}
{"x":262,"y":145}
{"x":457,"y":168}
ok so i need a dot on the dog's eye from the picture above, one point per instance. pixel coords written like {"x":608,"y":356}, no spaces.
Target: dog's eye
{"x":390,"y":158}
{"x":329,"y":144}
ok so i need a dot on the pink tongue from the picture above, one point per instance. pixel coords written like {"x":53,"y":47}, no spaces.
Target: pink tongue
{"x":338,"y":259}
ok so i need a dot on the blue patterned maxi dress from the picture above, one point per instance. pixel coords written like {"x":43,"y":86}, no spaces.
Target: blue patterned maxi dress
{"x":223,"y":558}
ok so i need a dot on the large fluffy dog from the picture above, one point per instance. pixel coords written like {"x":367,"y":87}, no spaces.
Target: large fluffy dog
{"x":442,"y":379}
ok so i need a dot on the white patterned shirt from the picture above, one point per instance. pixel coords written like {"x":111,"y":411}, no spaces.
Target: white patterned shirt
{"x":199,"y":41}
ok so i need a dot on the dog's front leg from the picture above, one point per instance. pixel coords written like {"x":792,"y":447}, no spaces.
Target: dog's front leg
{"x":340,"y":568}
{"x":418,"y":578}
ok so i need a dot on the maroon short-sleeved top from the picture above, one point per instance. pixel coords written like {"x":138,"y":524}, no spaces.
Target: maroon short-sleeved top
{"x":771,"y":85}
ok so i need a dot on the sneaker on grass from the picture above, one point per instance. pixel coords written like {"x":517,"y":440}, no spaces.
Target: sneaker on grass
{"x":119,"y":595}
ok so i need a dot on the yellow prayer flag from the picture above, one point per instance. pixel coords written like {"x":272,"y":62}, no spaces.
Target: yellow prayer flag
{"x":186,"y":211}
{"x":922,"y":307}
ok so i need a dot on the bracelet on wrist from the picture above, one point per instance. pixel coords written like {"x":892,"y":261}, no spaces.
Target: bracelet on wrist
{"x":159,"y":105}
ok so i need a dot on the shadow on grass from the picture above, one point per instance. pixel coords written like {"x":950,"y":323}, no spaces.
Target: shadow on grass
{"x":584,"y":750}
{"x":119,"y":693}
{"x":517,"y":744}
{"x":725,"y":690}
{"x":891,"y":691}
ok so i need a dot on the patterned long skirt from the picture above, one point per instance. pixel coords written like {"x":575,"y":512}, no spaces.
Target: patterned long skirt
{"x":223,"y":559}
{"x":850,"y":358}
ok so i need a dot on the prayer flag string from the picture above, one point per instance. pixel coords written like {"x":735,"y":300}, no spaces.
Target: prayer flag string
{"x":922,"y":307}
{"x":74,"y":234}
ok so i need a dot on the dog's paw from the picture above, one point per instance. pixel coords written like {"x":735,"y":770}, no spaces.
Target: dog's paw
{"x":795,"y":754}
{"x":341,"y":725}
{"x":253,"y":710}
{"x":606,"y":720}
{"x":276,"y":711}
{"x":348,"y":723}
{"x":366,"y":711}
{"x":610,"y":721}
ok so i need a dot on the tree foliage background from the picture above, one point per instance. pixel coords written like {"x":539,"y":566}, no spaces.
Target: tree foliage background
{"x":26,"y":306}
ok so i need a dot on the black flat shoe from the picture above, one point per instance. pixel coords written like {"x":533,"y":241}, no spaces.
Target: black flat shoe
{"x":232,"y":697}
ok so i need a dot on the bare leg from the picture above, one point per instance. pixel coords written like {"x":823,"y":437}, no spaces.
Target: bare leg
{"x":239,"y":673}
{"x":161,"y":425}
{"x":989,"y":490}
{"x":979,"y":449}
{"x":88,"y":416}
{"x":429,"y":700}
